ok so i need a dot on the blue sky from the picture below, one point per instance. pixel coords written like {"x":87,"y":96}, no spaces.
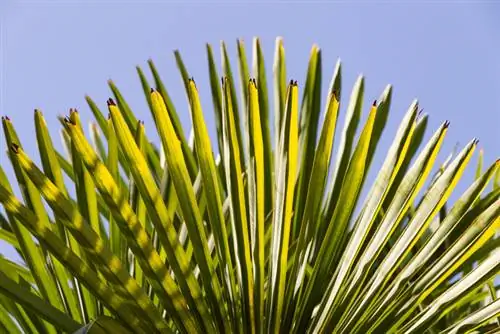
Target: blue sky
{"x":444,"y":53}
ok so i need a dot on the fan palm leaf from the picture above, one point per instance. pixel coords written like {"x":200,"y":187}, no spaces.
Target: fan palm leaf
{"x":265,"y":232}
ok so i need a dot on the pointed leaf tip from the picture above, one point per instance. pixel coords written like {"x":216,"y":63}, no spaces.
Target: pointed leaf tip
{"x":15,"y":148}
{"x":110,"y":102}
{"x":335,"y":94}
{"x":69,"y":121}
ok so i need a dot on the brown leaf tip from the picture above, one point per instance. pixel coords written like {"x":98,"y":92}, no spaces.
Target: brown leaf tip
{"x":476,"y":141}
{"x":374,"y":103}
{"x":446,"y":124}
{"x":73,"y":111}
{"x":69,"y":121}
{"x":6,"y":118}
{"x":15,"y":148}
{"x":37,"y":111}
{"x":192,"y":80}
{"x":110,"y":102}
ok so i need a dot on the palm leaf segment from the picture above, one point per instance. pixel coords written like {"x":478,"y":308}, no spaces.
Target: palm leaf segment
{"x":270,"y":235}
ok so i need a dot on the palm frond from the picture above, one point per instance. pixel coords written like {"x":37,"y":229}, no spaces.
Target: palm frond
{"x":258,"y":234}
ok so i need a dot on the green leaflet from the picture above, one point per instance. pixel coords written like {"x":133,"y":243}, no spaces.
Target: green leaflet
{"x":475,"y":319}
{"x":44,"y":281}
{"x":53,"y":171}
{"x":78,"y":267}
{"x":279,"y":70}
{"x":344,"y":153}
{"x":395,"y":156}
{"x":190,"y":211}
{"x":333,"y":239}
{"x":424,"y":256}
{"x":228,"y":76}
{"x":211,"y":184}
{"x":484,"y":271}
{"x":132,"y":229}
{"x":28,"y":299}
{"x":431,"y":204}
{"x":238,"y":208}
{"x":257,"y":199}
{"x":308,"y":127}
{"x":313,"y":201}
{"x":286,"y":170}
{"x":93,"y":246}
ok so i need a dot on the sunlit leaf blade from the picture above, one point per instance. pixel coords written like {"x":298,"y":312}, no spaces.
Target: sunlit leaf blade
{"x":286,"y":165}
{"x":308,"y":128}
{"x":213,"y":192}
{"x":87,"y":202}
{"x":117,"y":243}
{"x":485,"y":270}
{"x":257,"y":199}
{"x":365,"y":222}
{"x":172,"y":114}
{"x":216,"y":96}
{"x":187,"y":202}
{"x":475,"y":319}
{"x":94,"y":247}
{"x":337,"y":225}
{"x":131,"y":228}
{"x":430,"y":205}
{"x":244,"y":77}
{"x":279,"y":70}
{"x":259,"y":73}
{"x":425,"y":254}
{"x":228,"y":76}
{"x":399,"y":204}
{"x":238,"y":208}
{"x":78,"y":267}
{"x":45,"y":283}
{"x":343,"y":155}
{"x":315,"y":190}
{"x":53,"y":171}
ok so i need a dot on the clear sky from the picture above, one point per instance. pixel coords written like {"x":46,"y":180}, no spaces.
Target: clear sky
{"x":444,"y":53}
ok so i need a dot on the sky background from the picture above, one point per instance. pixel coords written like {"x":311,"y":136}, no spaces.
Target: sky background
{"x":444,"y":53}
